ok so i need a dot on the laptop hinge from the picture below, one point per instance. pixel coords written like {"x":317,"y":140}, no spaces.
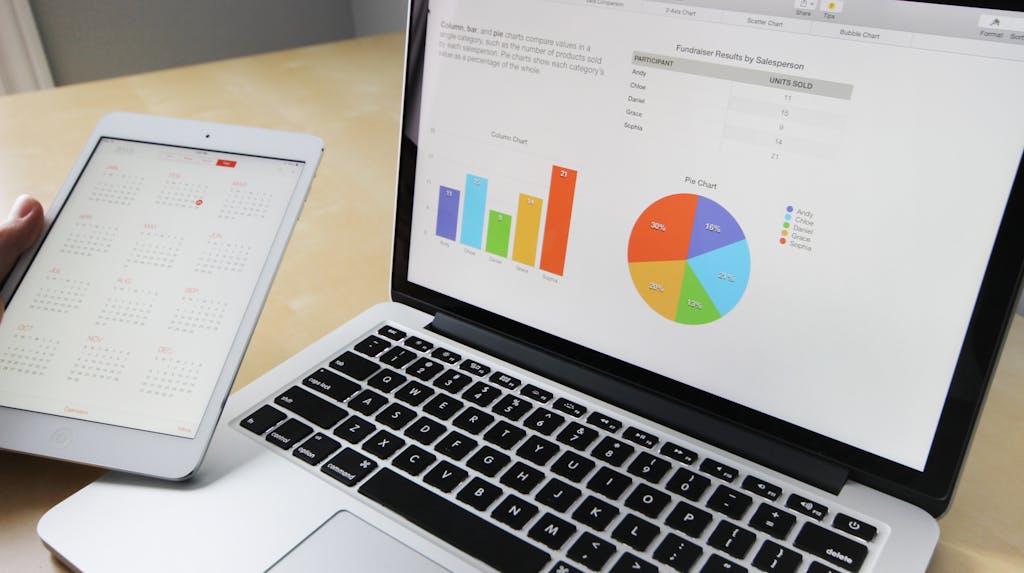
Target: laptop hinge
{"x":744,"y":442}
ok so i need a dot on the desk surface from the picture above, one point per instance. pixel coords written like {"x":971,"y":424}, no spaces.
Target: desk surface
{"x":349,"y":93}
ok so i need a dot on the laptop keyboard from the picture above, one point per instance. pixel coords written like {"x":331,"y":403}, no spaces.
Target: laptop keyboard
{"x":526,"y":480}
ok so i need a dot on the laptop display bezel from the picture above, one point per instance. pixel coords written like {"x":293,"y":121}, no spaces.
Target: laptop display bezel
{"x":930,"y":489}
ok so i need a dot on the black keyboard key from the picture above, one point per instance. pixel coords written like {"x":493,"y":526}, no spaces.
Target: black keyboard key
{"x":773,"y":521}
{"x":391,"y":332}
{"x":398,"y":357}
{"x":396,"y":416}
{"x":688,"y":484}
{"x":630,"y":563}
{"x":820,"y":568}
{"x":475,"y":368}
{"x":383,"y":444}
{"x":354,"y":429}
{"x":638,"y":436}
{"x":445,"y":355}
{"x":854,"y":527}
{"x":718,"y":470}
{"x":414,"y":393}
{"x":425,"y":368}
{"x":775,"y":558}
{"x":807,"y":507}
{"x":591,"y":551}
{"x":577,"y":436}
{"x":522,"y":477}
{"x":263,"y":419}
{"x":762,"y":488}
{"x":367,"y":402}
{"x":732,"y":539}
{"x":688,"y":519}
{"x":331,"y":385}
{"x":512,"y":407}
{"x":461,"y":528}
{"x":418,"y":343}
{"x":372,"y":346}
{"x":387,"y":380}
{"x":354,"y":366}
{"x":504,"y":435}
{"x":719,"y":564}
{"x":831,"y":546}
{"x":289,"y":433}
{"x":488,"y":461}
{"x":502,"y":379}
{"x":473,"y":421}
{"x":649,"y":467}
{"x":479,"y":494}
{"x":569,"y":407}
{"x":678,"y":553}
{"x":414,"y":460}
{"x":537,"y":450}
{"x":311,"y":407}
{"x":482,"y":394}
{"x":442,"y":406}
{"x":636,"y":532}
{"x":425,"y":430}
{"x":606,"y":423}
{"x":452,"y":382}
{"x":572,"y":466}
{"x":595,"y":513}
{"x":678,"y":453}
{"x":316,"y":449}
{"x":445,"y":476}
{"x":456,"y":445}
{"x":730,"y":502}
{"x":612,"y":451}
{"x":552,"y":531}
{"x":349,"y":466}
{"x":609,"y":483}
{"x":563,"y":567}
{"x":647,"y":500}
{"x":534,"y":393}
{"x":514,"y":512}
{"x":544,"y":421}
{"x":558,"y":495}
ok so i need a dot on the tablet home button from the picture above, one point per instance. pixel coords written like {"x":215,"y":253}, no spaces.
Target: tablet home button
{"x":62,"y":436}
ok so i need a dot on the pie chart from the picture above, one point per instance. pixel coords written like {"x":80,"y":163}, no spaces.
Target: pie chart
{"x":689,"y":259}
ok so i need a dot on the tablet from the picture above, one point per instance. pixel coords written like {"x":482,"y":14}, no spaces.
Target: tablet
{"x":125,"y":325}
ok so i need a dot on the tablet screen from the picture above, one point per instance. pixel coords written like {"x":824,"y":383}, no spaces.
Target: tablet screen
{"x":132,"y":303}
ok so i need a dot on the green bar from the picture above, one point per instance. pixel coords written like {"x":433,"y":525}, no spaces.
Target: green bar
{"x":499,"y":227}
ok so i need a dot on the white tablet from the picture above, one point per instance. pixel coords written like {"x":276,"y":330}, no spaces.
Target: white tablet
{"x":126,"y":324}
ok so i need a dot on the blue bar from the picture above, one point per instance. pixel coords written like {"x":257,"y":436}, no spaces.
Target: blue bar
{"x":473,"y":211}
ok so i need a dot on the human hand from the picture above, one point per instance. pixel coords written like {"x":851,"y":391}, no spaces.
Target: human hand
{"x":18,"y":232}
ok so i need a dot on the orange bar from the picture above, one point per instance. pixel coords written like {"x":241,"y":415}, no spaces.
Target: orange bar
{"x":556,"y":227}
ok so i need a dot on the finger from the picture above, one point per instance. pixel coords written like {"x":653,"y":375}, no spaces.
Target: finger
{"x":19,"y":231}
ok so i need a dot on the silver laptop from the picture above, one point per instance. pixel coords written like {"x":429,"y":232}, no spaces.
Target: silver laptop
{"x":702,"y":285}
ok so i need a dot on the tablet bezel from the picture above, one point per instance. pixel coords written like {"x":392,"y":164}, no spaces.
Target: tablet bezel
{"x":143,"y":451}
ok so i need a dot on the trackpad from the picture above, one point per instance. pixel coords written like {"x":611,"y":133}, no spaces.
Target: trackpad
{"x":346,"y":543}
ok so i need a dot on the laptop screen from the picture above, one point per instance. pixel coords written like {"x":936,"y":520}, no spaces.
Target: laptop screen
{"x":789,"y":205}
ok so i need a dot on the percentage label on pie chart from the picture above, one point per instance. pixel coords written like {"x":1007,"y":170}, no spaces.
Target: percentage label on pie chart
{"x":689,"y":259}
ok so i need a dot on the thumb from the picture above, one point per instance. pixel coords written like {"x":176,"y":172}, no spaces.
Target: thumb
{"x":19,"y":231}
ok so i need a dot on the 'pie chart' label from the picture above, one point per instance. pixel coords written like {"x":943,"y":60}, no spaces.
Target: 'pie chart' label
{"x":689,"y":259}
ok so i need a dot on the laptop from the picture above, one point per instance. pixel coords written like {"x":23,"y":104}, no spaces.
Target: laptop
{"x":682,"y":286}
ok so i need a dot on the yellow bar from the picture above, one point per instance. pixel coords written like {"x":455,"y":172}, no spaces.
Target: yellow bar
{"x":524,"y":250}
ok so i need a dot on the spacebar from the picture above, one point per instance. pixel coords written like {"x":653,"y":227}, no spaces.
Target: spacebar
{"x":442,"y":518}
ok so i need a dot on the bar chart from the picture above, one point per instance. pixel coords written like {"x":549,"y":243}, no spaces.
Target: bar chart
{"x":536,"y":235}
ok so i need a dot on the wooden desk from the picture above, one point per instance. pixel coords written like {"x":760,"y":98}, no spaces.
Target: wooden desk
{"x":337,"y":262}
